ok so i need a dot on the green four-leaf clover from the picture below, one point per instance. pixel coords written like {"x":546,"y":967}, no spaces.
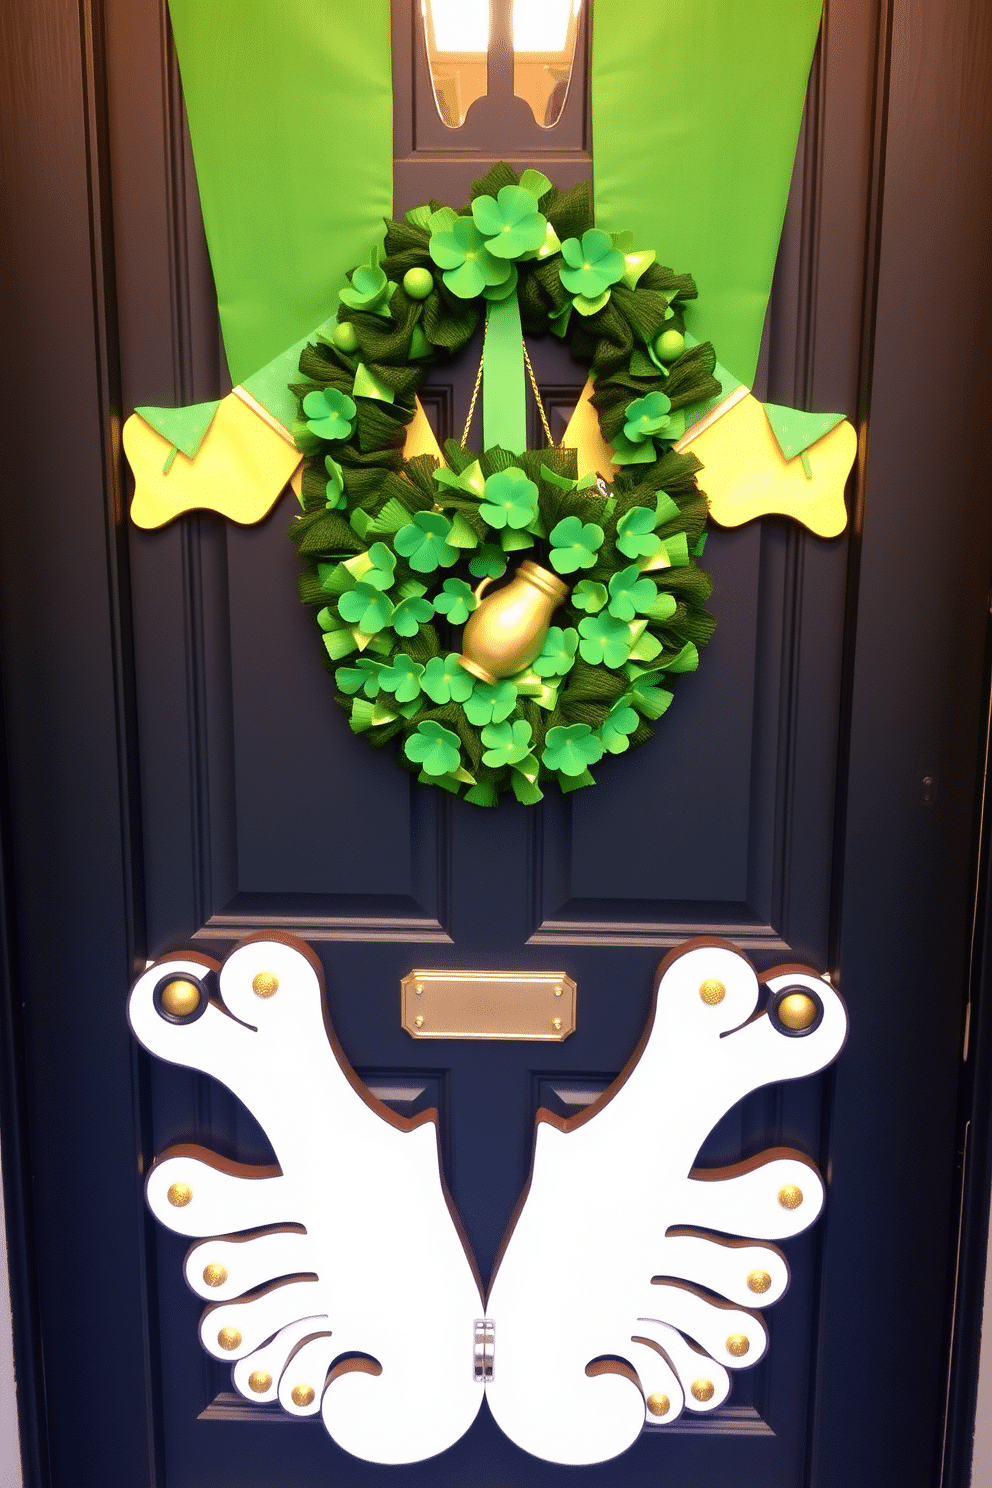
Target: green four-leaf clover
{"x":558,"y":653}
{"x":605,"y":640}
{"x":511,"y":223}
{"x":510,"y":499}
{"x":456,"y":601}
{"x":490,"y":704}
{"x":362,"y":677}
{"x":445,"y":680}
{"x":636,"y":537}
{"x":413,"y":610}
{"x":592,"y":264}
{"x":434,"y":748}
{"x":422,"y":542}
{"x":402,"y":678}
{"x":330,"y":414}
{"x":506,"y":743}
{"x":463,"y":254}
{"x":574,"y":544}
{"x":616,"y":726}
{"x":647,"y":416}
{"x":367,"y":607}
{"x":571,"y":750}
{"x":631,"y":595}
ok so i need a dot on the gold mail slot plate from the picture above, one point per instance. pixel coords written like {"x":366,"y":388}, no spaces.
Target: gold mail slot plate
{"x":488,"y":1005}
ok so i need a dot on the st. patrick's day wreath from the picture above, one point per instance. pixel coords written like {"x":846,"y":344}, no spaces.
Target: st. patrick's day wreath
{"x":601,"y":597}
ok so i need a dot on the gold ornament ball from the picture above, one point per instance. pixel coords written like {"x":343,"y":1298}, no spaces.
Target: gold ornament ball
{"x":302,"y":1395}
{"x":790,"y":1196}
{"x":180,"y":998}
{"x":758,"y":1281}
{"x":229,"y":1338}
{"x":712,"y":992}
{"x":738,"y":1344}
{"x":215,"y":1275}
{"x":659,"y":1405}
{"x":260,"y":1382}
{"x":265,"y":984}
{"x":797,"y":1011}
{"x":703,"y":1389}
{"x":179,"y":1195}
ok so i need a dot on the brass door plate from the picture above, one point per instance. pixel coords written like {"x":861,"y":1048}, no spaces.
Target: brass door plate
{"x":488,"y":1005}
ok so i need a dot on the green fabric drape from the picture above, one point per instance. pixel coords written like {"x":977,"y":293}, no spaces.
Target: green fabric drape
{"x":696,"y":112}
{"x":290,"y":114}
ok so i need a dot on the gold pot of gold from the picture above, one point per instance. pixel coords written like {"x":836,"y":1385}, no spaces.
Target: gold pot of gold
{"x":507,"y":631}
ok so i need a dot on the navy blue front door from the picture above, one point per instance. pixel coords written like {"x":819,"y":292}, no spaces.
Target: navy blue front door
{"x":183,"y":777}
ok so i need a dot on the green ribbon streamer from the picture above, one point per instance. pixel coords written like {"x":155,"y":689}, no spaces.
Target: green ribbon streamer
{"x":504,"y":394}
{"x":696,"y":112}
{"x":290,"y":113}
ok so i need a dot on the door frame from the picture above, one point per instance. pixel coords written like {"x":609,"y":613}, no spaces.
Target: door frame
{"x":71,"y":928}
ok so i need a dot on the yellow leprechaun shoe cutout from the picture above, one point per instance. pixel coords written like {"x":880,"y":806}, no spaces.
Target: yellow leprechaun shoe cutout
{"x":238,"y":467}
{"x":747,"y":475}
{"x":758,"y":460}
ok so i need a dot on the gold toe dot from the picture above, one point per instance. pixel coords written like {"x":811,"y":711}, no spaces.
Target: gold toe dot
{"x":738,"y":1344}
{"x":790,"y":1196}
{"x":265,"y":983}
{"x":758,"y":1281}
{"x":215,"y":1274}
{"x":180,"y":998}
{"x":703,"y":1389}
{"x":659,"y":1405}
{"x":302,"y":1395}
{"x":712,"y":991}
{"x":260,"y":1382}
{"x":229,"y":1338}
{"x":797,"y":1011}
{"x":179,"y":1195}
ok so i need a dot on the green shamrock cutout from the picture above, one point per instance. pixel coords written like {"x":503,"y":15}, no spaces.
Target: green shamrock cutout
{"x":574,"y":544}
{"x":506,"y":743}
{"x":511,"y":224}
{"x":646,"y":417}
{"x":434,"y":748}
{"x":413,"y":610}
{"x":636,"y":537}
{"x":362,"y":677}
{"x":489,"y":562}
{"x":589,"y":596}
{"x":489,"y":704}
{"x":631,"y":595}
{"x":604,"y":640}
{"x":456,"y":601}
{"x":367,"y":607}
{"x":618,"y":723}
{"x":593,"y":264}
{"x":422,"y":542}
{"x":383,"y":567}
{"x":445,"y":680}
{"x":558,"y":653}
{"x":510,"y":499}
{"x":402,"y":678}
{"x":330,"y":414}
{"x":571,"y":750}
{"x":463,"y":254}
{"x":369,"y":290}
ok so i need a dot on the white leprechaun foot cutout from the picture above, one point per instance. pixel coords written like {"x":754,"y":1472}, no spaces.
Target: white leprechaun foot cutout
{"x":355,"y":1295}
